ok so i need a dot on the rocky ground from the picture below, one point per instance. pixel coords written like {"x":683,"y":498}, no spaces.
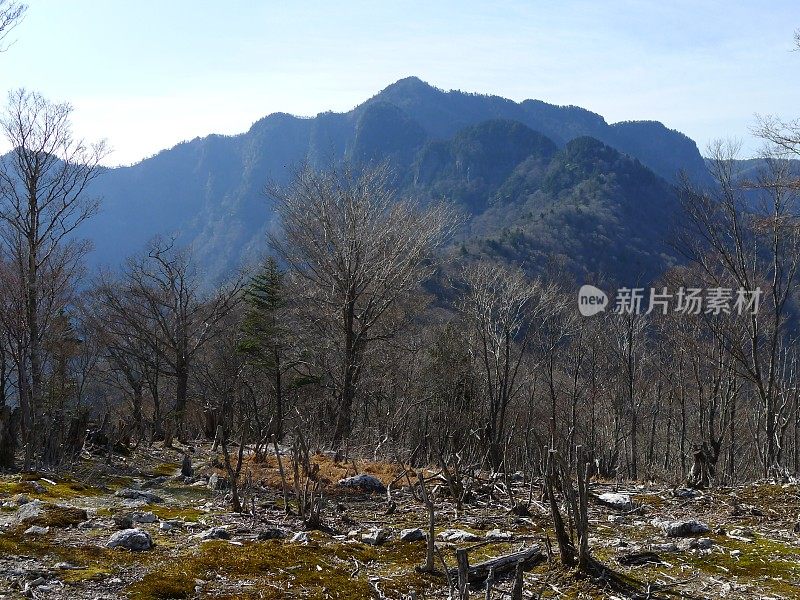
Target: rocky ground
{"x":138,"y":529}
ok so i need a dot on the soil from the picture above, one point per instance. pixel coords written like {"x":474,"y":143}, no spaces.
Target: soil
{"x":752,"y":549}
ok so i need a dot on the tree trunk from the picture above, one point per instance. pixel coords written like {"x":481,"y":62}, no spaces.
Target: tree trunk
{"x":34,"y":349}
{"x":181,"y":391}
{"x":565,"y":546}
{"x":278,"y":424}
{"x":9,"y":425}
{"x":344,"y":424}
{"x":138,"y":419}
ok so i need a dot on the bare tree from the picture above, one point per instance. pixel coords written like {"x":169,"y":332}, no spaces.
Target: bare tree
{"x":503,"y":305}
{"x":11,"y":15}
{"x":43,"y":199}
{"x":749,"y":246}
{"x":628,"y":349}
{"x":782,"y":135}
{"x":127,"y":349}
{"x":355,"y":248}
{"x":223,"y":375}
{"x":161,"y":304}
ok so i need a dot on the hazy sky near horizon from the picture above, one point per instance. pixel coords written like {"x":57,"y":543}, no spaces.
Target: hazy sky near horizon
{"x":149,"y":74}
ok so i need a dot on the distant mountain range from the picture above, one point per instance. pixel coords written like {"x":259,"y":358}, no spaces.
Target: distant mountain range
{"x":536,"y":180}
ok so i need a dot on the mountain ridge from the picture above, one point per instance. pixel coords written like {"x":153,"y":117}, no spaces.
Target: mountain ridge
{"x":209,"y":191}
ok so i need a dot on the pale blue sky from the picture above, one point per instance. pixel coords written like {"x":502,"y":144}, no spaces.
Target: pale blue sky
{"x":146,"y":74}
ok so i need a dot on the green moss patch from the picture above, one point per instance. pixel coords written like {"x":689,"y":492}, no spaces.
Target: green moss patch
{"x":116,"y":482}
{"x":57,"y":516}
{"x":166,"y":513}
{"x":95,"y":562}
{"x":62,"y":490}
{"x":772,"y":564}
{"x":166,"y":469}
{"x":94,"y":572}
{"x":649,"y":500}
{"x":186,"y":493}
{"x":276,"y":569}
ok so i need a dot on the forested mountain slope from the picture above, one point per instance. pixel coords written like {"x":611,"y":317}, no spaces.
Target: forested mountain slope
{"x":509,"y":165}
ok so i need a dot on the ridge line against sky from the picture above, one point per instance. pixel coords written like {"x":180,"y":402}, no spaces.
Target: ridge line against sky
{"x":148,"y":75}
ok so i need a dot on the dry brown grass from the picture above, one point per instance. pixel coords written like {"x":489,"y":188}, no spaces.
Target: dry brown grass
{"x":327,"y":471}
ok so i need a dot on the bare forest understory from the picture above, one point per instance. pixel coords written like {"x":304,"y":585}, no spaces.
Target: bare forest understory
{"x":176,"y":536}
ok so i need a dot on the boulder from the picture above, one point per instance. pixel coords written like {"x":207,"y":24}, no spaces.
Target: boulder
{"x":458,"y":535}
{"x":616,"y":501}
{"x":123,"y":520}
{"x":273,"y":533}
{"x":29,"y":511}
{"x":681,"y":528}
{"x":170,"y":525}
{"x":664,"y":547}
{"x":739,"y":510}
{"x":134,"y":504}
{"x":215,"y":533}
{"x":701,"y":544}
{"x":364,"y":482}
{"x":616,"y":519}
{"x":217,"y":482}
{"x":37,"y":584}
{"x":132,"y":494}
{"x":130,"y":539}
{"x":496,"y":535}
{"x":155,"y":482}
{"x":143,"y":517}
{"x":375,"y":537}
{"x":742,"y":534}
{"x":46,"y":515}
{"x":36,"y":530}
{"x":413,"y":534}
{"x":301,"y":537}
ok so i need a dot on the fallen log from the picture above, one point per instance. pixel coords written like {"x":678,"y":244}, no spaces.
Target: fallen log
{"x":478,"y":573}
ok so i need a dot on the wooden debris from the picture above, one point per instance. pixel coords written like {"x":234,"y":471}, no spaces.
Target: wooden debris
{"x":529,"y":557}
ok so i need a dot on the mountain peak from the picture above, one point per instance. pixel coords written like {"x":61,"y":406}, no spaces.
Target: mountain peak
{"x":408,"y":89}
{"x":410,"y":83}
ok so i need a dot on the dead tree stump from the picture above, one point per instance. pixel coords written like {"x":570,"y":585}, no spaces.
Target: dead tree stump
{"x":463,"y":574}
{"x":699,"y":473}
{"x":186,"y":466}
{"x":516,"y":592}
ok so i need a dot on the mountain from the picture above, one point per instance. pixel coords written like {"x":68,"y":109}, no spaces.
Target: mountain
{"x":500,"y":160}
{"x":469,"y":168}
{"x":592,"y":209}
